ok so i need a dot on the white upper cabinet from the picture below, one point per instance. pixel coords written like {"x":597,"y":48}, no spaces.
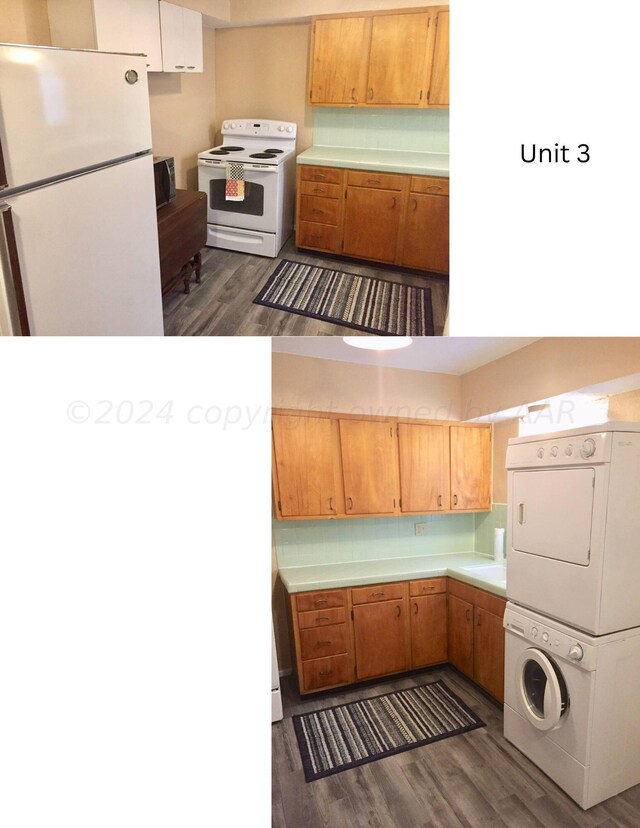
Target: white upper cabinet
{"x":181,"y":32}
{"x":108,"y":25}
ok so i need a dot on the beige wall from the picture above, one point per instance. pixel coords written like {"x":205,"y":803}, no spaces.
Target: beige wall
{"x":327,"y":385}
{"x":24,"y":21}
{"x":183,"y":110}
{"x":270,"y":9}
{"x":545,"y":369}
{"x":261,"y":72}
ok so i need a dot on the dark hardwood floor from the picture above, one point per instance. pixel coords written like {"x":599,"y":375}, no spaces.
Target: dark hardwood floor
{"x":222,"y":305}
{"x":475,"y":779}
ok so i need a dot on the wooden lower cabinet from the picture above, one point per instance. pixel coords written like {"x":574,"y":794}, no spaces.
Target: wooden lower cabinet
{"x":371,"y":223}
{"x":428,"y":629}
{"x":381,"y":636}
{"x":426,"y":233}
{"x":476,"y":636}
{"x":460,"y":632}
{"x":347,"y":635}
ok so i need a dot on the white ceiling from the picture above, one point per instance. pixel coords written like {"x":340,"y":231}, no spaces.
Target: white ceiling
{"x":436,"y":354}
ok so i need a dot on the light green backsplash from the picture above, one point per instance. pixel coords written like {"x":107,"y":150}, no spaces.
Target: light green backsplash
{"x":311,"y":542}
{"x":486,"y":522}
{"x":415,"y":130}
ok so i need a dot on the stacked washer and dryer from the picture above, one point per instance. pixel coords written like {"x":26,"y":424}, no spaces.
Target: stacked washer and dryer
{"x":572,"y":621}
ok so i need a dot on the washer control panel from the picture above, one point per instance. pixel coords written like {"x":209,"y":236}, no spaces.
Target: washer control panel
{"x":555,"y":642}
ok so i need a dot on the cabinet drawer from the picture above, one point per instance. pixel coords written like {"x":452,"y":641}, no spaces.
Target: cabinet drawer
{"x":427,"y":586}
{"x":320,"y":618}
{"x":316,"y":188}
{"x":320,"y":600}
{"x":323,"y":210}
{"x":320,"y":236}
{"x":323,"y":641}
{"x":325,"y":672}
{"x":379,"y":181}
{"x":379,"y":592}
{"x":327,"y":175}
{"x":431,"y":186}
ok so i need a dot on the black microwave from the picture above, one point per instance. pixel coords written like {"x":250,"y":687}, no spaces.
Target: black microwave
{"x":165,"y":175}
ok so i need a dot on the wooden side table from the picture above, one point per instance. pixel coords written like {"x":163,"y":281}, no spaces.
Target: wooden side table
{"x":182,"y":233}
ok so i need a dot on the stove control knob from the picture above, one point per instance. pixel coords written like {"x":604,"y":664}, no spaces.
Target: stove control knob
{"x":554,"y":451}
{"x":534,"y":632}
{"x":234,"y":125}
{"x":280,"y":128}
{"x":541,"y":452}
{"x":289,"y":129}
{"x":576,"y":652}
{"x":588,"y":448}
{"x":568,"y":451}
{"x":545,"y":637}
{"x":225,"y":126}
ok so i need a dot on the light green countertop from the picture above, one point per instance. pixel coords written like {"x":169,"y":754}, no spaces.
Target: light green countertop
{"x":359,"y":573}
{"x":398,"y":161}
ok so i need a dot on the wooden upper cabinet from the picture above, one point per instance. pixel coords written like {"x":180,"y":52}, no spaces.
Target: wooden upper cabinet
{"x":339,"y":60}
{"x":470,"y":467}
{"x":305,"y":453}
{"x":439,"y":86}
{"x":398,"y":59}
{"x":381,"y":59}
{"x":369,"y":467}
{"x":424,"y":467}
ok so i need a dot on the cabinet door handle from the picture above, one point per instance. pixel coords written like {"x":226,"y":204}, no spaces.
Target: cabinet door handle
{"x":191,"y":67}
{"x":319,"y":177}
{"x":415,"y":205}
{"x":439,"y":501}
{"x":320,"y":601}
{"x":370,"y":94}
{"x":434,"y":189}
{"x":415,"y":608}
{"x":428,"y":588}
{"x":377,"y":594}
{"x":318,"y":190}
{"x":322,"y":643}
{"x":479,"y":618}
{"x":325,"y":672}
{"x":331,"y":505}
{"x":373,"y":180}
{"x":521,"y":513}
{"x":455,"y":500}
{"x":394,"y":201}
{"x":398,"y":611}
{"x":322,"y":618}
{"x":179,"y":66}
{"x":350,"y":499}
{"x":468,"y":615}
{"x":353,"y":94}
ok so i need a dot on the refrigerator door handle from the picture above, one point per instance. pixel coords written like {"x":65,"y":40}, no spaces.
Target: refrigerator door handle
{"x":13,"y":308}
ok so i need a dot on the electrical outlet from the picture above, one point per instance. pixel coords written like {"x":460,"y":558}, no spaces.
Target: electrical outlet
{"x":421,"y":529}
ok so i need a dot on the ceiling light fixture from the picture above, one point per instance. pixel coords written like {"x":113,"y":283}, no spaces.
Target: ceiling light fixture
{"x":378,"y":343}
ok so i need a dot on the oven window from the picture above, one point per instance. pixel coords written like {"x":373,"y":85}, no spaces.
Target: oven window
{"x":253,"y":204}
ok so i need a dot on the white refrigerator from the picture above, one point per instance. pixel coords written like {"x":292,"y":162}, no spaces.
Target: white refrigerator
{"x":78,"y":229}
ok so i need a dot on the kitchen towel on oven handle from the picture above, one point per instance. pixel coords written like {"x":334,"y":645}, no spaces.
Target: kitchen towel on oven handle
{"x":234,"y":187}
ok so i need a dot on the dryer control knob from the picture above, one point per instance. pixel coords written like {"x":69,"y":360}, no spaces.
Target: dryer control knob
{"x":568,"y":451}
{"x":576,"y":652}
{"x":554,"y":451}
{"x":280,"y":128}
{"x":588,"y":448}
{"x":540,"y":452}
{"x":233,"y":126}
{"x":545,"y":637}
{"x":534,"y":632}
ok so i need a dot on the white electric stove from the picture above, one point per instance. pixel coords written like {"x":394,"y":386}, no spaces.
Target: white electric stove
{"x":262,"y":221}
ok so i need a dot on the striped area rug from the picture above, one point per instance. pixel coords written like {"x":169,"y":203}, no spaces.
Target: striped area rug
{"x":338,"y":738}
{"x":363,"y":302}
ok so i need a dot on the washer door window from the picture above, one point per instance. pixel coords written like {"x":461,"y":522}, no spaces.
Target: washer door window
{"x":541,"y":689}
